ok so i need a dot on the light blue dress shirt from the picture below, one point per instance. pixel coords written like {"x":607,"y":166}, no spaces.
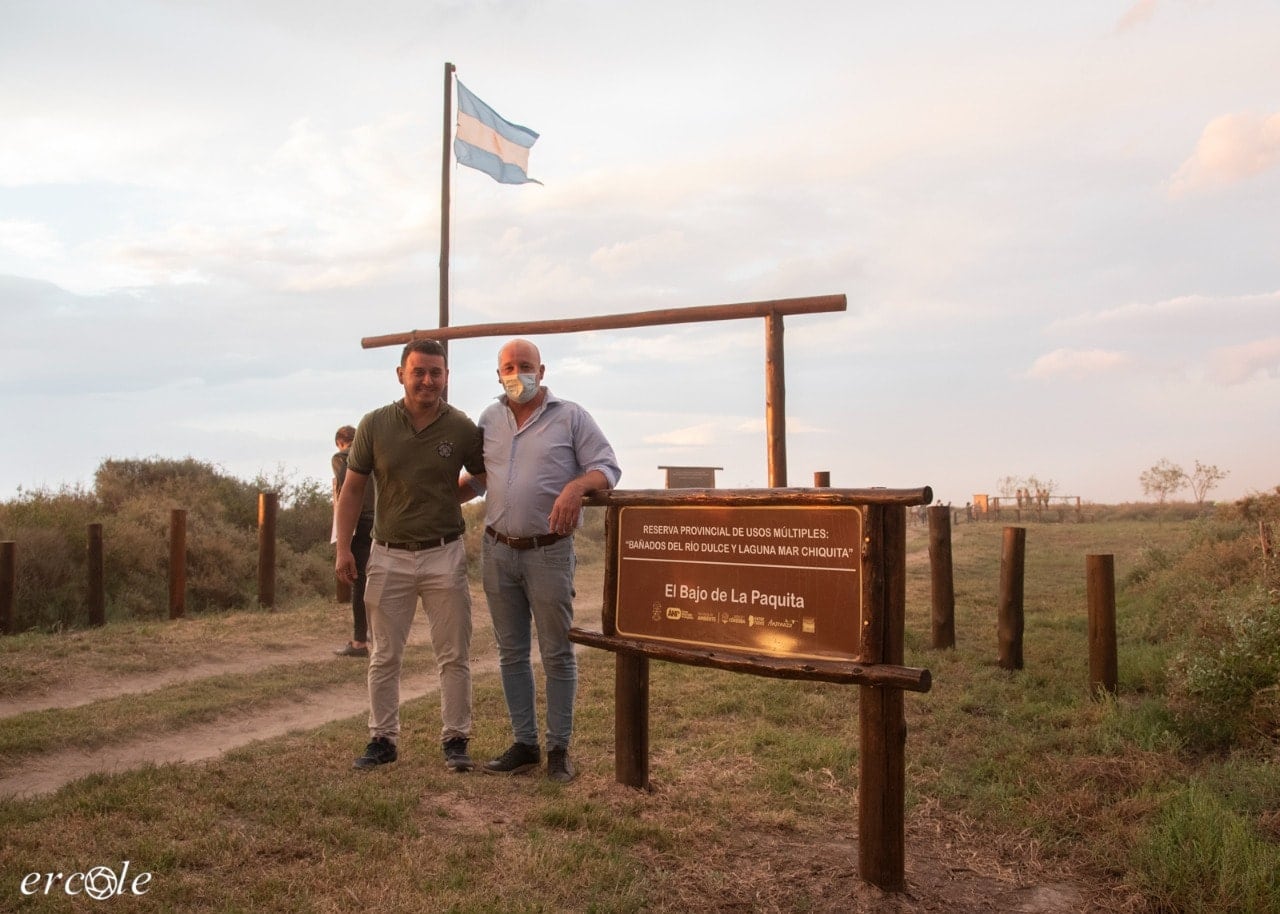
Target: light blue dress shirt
{"x":527,"y":468}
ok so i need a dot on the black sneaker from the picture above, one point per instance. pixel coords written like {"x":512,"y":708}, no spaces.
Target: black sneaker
{"x":455,"y":754}
{"x":559,"y":768}
{"x":380,"y":751}
{"x":519,"y":758}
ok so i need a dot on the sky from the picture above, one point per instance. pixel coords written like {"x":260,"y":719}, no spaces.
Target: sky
{"x":1055,"y":226}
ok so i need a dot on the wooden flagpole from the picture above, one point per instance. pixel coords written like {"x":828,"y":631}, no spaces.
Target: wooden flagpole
{"x":446,"y":157}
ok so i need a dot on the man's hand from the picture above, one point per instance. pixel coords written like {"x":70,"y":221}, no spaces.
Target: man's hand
{"x":567,"y":510}
{"x":345,"y":565}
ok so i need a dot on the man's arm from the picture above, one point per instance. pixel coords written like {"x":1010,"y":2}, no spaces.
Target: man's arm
{"x":470,"y":487}
{"x":567,"y":509}
{"x":348,"y":513}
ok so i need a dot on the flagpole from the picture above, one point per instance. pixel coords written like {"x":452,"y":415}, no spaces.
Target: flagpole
{"x":445,"y":158}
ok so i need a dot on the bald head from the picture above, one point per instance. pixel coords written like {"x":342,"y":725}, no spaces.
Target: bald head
{"x":520,"y":372}
{"x":518,"y":352}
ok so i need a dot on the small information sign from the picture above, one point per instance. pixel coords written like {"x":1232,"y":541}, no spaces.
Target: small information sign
{"x":784,"y":581}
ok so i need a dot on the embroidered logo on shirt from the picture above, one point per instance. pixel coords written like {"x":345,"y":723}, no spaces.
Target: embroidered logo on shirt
{"x":445,"y":448}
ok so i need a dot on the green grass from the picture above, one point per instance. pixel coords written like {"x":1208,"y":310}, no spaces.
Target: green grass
{"x":755,"y":780}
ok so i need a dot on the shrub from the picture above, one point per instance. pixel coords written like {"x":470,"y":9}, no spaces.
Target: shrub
{"x":133,"y":500}
{"x":1200,"y":855}
{"x":1221,"y":687}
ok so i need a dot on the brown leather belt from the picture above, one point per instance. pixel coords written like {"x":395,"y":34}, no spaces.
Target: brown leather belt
{"x":420,"y":545}
{"x":525,"y":542}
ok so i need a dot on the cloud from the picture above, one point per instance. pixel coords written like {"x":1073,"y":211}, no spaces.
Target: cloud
{"x":1141,"y":11}
{"x":637,"y":254}
{"x":1232,"y":148}
{"x":1231,"y":365}
{"x":1194,"y":316}
{"x":690,"y":436}
{"x":1077,"y":363}
{"x":29,"y":239}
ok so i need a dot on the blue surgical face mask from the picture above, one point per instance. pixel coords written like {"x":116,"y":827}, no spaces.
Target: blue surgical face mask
{"x":520,"y":387}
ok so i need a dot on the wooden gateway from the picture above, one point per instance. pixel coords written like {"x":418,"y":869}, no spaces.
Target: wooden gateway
{"x":788,"y":583}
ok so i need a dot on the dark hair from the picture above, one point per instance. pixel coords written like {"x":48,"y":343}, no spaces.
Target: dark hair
{"x":426,"y":347}
{"x":345,"y":433}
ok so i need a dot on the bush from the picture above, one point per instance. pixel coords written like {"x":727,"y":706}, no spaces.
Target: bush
{"x":134,"y":500}
{"x":1222,"y":686}
{"x":1216,"y":596}
{"x":1202,"y":856}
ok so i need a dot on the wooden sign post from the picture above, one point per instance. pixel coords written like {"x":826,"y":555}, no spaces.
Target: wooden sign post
{"x":789,"y":583}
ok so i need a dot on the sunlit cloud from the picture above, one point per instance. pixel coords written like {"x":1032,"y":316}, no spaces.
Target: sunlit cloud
{"x":1232,"y":147}
{"x":1077,"y":363}
{"x":1196,"y":315}
{"x":690,"y":436}
{"x":1141,"y":11}
{"x":1230,"y":365}
{"x":794,"y":426}
{"x":638,"y":253}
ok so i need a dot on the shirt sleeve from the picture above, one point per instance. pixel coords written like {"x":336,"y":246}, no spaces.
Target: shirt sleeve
{"x":593,"y":450}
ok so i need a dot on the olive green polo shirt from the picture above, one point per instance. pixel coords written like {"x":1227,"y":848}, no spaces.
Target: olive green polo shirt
{"x":416,"y":472}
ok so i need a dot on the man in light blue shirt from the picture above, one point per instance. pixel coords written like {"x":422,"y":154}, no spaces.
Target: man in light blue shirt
{"x":542,"y":455}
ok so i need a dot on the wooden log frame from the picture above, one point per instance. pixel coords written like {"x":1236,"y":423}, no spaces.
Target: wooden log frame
{"x":877,"y":671}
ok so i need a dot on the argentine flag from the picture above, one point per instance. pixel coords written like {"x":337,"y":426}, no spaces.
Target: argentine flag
{"x":484,"y":140}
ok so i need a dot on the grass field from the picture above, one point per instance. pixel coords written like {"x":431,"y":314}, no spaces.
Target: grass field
{"x":1020,"y":785}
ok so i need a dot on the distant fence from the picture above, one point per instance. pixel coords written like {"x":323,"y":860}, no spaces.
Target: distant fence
{"x":95,"y":581}
{"x":1040,"y":506}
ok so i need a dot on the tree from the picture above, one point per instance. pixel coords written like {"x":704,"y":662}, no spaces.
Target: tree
{"x":1007,"y":485}
{"x":1163,"y":479}
{"x":1205,"y":477}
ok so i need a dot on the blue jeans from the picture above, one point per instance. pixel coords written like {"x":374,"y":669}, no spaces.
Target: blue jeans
{"x":527,"y":588}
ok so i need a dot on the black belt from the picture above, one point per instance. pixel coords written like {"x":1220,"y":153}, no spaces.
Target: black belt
{"x":525,"y":542}
{"x":421,"y":544}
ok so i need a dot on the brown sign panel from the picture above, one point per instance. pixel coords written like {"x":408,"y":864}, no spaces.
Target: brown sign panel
{"x":784,"y":581}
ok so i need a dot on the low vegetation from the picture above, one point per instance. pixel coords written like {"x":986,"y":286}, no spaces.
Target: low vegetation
{"x":1160,"y":799}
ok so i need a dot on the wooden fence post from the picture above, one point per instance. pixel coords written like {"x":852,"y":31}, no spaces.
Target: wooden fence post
{"x":267,"y":505}
{"x":8,"y":584}
{"x":882,"y":711}
{"x":1010,"y":626}
{"x":1100,"y":571}
{"x":944,"y":589}
{"x":631,"y":727}
{"x":177,"y":563}
{"x":97,"y":595}
{"x":822,"y":479}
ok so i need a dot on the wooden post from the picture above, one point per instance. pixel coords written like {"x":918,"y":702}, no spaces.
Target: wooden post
{"x":1100,"y":571}
{"x":267,"y":504}
{"x":8,"y":584}
{"x":631,"y":722}
{"x":1010,"y":625}
{"x":177,"y":563}
{"x":97,"y":599}
{"x":446,"y":160}
{"x":630,"y":684}
{"x":944,"y":590}
{"x":822,"y":479}
{"x":1264,"y":537}
{"x":775,"y":403}
{"x":882,"y":717}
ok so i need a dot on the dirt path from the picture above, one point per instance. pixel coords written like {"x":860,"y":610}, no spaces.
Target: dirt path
{"x":48,"y":772}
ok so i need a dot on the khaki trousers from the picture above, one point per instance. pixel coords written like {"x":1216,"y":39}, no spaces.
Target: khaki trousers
{"x":397,"y":579}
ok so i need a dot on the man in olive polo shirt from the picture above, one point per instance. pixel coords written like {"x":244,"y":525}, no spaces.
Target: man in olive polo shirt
{"x":415,"y":449}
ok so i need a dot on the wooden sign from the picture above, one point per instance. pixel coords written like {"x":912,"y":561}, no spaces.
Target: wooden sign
{"x":782,"y":581}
